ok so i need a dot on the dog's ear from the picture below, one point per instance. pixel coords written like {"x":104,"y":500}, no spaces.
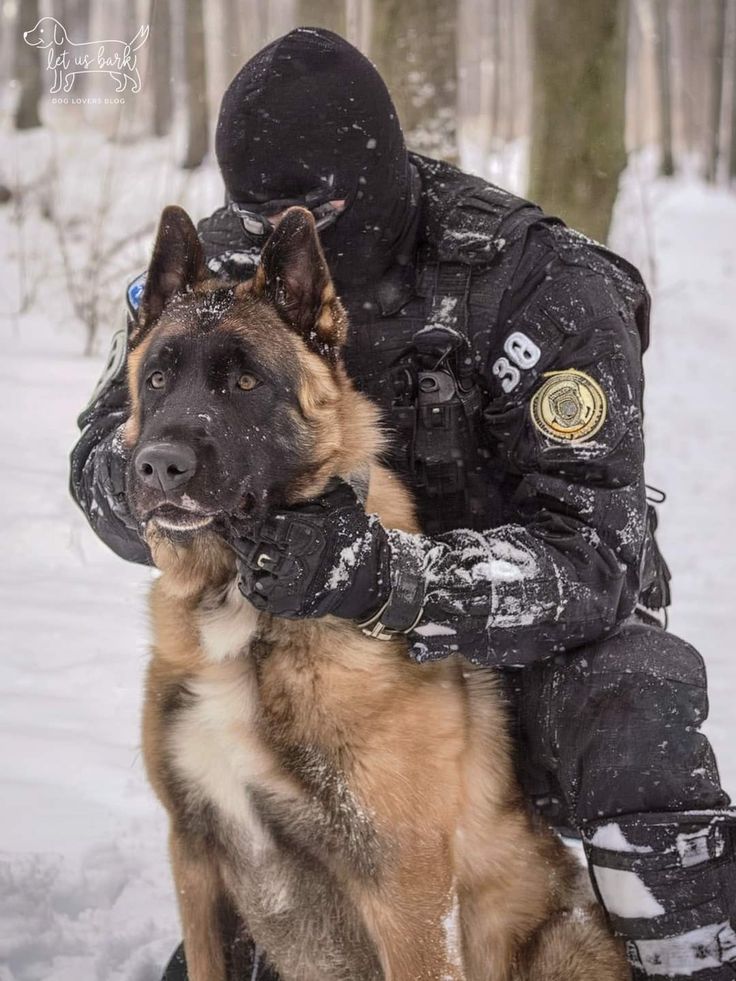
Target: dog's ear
{"x":59,"y":34}
{"x":177,"y":265}
{"x":294,"y":276}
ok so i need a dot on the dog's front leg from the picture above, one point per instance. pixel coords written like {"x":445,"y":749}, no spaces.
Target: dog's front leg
{"x":413,"y":917}
{"x":201,"y":899}
{"x":58,"y":78}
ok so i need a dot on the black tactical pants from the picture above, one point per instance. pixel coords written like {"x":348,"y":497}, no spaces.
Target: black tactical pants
{"x":609,"y":748}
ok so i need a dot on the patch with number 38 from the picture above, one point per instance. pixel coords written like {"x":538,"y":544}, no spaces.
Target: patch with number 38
{"x":521,"y":353}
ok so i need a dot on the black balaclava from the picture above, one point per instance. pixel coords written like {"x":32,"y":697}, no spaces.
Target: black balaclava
{"x":307,"y":107}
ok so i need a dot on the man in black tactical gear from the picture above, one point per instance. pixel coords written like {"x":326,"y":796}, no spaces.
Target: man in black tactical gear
{"x":505,"y":352}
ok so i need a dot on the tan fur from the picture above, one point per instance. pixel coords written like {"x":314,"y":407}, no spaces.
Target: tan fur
{"x":198,"y":887}
{"x":448,"y":878}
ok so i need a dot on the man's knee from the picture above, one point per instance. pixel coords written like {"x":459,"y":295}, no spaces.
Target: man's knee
{"x":638,"y":652}
{"x":626,"y":726}
{"x":644,"y":679}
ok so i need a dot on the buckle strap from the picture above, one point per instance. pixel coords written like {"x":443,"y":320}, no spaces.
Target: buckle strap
{"x":662,"y":840}
{"x":705,"y":948}
{"x":404,"y":607}
{"x":377,"y":628}
{"x":664,"y":882}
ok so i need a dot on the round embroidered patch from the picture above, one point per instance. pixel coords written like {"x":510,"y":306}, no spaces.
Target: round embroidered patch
{"x":569,"y":406}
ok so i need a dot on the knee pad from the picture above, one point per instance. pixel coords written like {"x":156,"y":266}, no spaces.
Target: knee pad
{"x":668,"y":884}
{"x":640,"y":649}
{"x":624,"y":727}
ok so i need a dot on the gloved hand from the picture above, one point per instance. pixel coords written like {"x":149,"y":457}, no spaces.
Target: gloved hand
{"x":97,"y":477}
{"x":325,"y":556}
{"x":109,"y":469}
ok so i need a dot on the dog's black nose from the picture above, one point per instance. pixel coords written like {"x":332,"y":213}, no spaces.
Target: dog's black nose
{"x":165,"y":465}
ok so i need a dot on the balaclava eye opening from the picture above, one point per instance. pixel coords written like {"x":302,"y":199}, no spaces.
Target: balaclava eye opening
{"x":310,"y":109}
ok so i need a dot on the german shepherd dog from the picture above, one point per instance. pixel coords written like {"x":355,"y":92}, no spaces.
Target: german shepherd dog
{"x":356,"y":813}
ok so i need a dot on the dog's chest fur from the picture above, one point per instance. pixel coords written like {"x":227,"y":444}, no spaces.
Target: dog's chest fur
{"x":238,"y":794}
{"x":215,"y":743}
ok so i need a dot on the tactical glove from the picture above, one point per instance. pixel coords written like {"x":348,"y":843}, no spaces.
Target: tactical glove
{"x":97,"y":479}
{"x":326,"y":556}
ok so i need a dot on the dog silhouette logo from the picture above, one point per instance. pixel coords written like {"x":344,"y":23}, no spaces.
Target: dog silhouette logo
{"x":67,"y":58}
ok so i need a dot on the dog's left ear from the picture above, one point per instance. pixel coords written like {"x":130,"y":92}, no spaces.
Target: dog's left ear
{"x":177,"y":265}
{"x":59,"y":34}
{"x":294,"y":276}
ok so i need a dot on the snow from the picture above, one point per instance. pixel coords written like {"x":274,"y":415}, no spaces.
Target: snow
{"x":625,"y":894}
{"x":497,"y":569}
{"x":611,"y":836}
{"x":85,"y":890}
{"x":340,"y":573}
{"x":434,"y":630}
{"x":453,"y":938}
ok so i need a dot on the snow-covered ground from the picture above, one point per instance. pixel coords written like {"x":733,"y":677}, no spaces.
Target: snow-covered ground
{"x":85,"y":892}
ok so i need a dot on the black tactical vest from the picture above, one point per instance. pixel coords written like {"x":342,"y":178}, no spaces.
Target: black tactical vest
{"x":419,"y":345}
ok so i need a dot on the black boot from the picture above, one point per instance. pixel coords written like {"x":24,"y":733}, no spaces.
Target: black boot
{"x":245,"y":962}
{"x":668,"y":883}
{"x":176,"y":969}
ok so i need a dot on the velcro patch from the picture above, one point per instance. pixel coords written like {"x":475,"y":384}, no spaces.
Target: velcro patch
{"x":134,"y":294}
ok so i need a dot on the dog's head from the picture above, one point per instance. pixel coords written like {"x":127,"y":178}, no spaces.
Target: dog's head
{"x":239,"y":398}
{"x":47,"y":31}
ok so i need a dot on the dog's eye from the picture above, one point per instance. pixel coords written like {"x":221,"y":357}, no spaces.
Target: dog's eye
{"x":157,"y":379}
{"x":247,"y":382}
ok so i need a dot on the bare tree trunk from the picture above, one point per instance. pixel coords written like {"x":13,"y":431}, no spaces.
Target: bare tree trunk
{"x":129,"y":20}
{"x":414,"y":47}
{"x":512,"y":70}
{"x":497,"y":62}
{"x":578,"y":150}
{"x":195,"y":65}
{"x":683,"y":56}
{"x":358,"y":15}
{"x":323,"y":13}
{"x":261,"y":22}
{"x":75,"y":15}
{"x":160,"y":45}
{"x":233,"y":44}
{"x":716,"y":94}
{"x":27,"y":69}
{"x":667,"y":163}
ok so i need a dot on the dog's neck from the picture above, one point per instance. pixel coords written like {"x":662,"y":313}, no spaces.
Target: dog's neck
{"x":359,"y":480}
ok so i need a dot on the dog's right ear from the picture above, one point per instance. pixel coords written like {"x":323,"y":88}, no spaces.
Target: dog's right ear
{"x":176,"y":266}
{"x":59,"y":34}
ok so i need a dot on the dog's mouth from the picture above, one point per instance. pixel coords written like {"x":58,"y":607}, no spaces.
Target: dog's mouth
{"x":180,"y":517}
{"x":187,"y":515}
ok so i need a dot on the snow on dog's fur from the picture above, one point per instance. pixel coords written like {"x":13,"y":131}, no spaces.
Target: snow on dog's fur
{"x":353,"y":812}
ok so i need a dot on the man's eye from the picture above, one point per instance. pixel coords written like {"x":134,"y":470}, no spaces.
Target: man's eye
{"x":247,"y":382}
{"x":156,"y":379}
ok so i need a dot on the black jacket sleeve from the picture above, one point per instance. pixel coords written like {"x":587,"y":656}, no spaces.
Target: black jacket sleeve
{"x":565,"y":569}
